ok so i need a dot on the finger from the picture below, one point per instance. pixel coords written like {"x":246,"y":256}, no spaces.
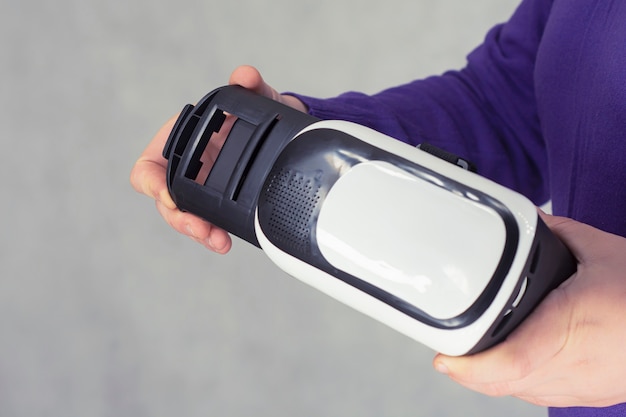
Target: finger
{"x":583,"y":241}
{"x":148,"y":177}
{"x":154,"y":150}
{"x":209,"y":235}
{"x":148,"y":174}
{"x":512,"y":366}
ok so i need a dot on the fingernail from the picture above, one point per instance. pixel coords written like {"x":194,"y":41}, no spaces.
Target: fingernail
{"x":189,"y":231}
{"x":209,"y":243}
{"x":441,"y":367}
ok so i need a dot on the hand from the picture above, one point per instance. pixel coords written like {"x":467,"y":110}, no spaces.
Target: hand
{"x":570,"y":350}
{"x":148,"y":173}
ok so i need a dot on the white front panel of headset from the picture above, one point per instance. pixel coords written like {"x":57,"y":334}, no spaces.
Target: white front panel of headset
{"x":411,"y":238}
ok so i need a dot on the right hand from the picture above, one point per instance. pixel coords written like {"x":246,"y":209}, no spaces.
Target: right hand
{"x":148,"y":173}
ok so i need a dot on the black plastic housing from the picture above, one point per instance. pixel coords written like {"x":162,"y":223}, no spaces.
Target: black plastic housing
{"x":227,"y":197}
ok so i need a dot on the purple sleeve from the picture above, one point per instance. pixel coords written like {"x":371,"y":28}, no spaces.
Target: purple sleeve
{"x":614,"y":411}
{"x":485,"y":112}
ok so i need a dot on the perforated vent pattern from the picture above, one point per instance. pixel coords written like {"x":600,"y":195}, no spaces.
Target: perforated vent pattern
{"x":294,"y":197}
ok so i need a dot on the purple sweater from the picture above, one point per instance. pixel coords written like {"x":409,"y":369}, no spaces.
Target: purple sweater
{"x":540,"y":107}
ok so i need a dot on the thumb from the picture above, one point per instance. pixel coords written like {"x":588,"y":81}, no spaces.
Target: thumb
{"x":250,"y":78}
{"x":513,"y":365}
{"x":584,"y":241}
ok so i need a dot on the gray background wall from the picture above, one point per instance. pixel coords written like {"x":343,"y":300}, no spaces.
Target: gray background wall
{"x":105,"y":311}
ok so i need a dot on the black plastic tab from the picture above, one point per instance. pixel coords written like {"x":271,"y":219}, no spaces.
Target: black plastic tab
{"x":227,"y":197}
{"x":447,"y":156}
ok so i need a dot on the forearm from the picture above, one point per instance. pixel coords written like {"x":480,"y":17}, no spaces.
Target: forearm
{"x":444,"y":111}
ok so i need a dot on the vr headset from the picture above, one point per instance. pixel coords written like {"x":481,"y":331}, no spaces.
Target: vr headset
{"x":437,"y":252}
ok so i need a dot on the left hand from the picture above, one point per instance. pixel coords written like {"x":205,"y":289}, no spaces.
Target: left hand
{"x":571,"y":351}
{"x":149,"y":172}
